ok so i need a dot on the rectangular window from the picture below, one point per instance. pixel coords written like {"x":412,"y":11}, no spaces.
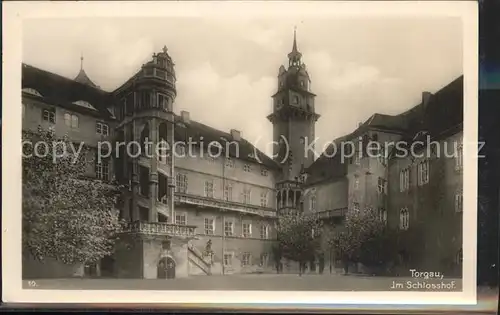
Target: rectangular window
{"x":181,"y":184}
{"x":245,"y":259}
{"x":246,"y":168}
{"x":49,"y":115}
{"x":423,"y":173}
{"x":209,"y":188}
{"x":163,"y":102}
{"x":228,"y":259}
{"x":71,"y":120}
{"x":404,"y":179}
{"x":263,"y":172}
{"x":228,"y":228}
{"x":228,"y":192}
{"x":246,"y":195}
{"x":459,"y":199}
{"x":404,"y":219}
{"x":102,"y":129}
{"x":247,"y":229}
{"x":209,"y":226}
{"x":382,"y":186}
{"x":264,"y":231}
{"x":382,"y":215}
{"x":263,"y":199}
{"x":180,"y":218}
{"x":145,"y":100}
{"x":102,"y":170}
{"x":313,"y":203}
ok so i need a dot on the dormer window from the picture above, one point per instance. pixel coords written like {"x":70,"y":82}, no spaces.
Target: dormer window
{"x":84,"y":104}
{"x":32,"y":92}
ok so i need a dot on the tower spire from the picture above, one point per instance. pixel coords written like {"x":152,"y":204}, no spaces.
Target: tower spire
{"x":294,"y":56}
{"x":294,"y":48}
{"x":82,"y":76}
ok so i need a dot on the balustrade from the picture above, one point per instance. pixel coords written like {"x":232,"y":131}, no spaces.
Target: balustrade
{"x":161,"y":228}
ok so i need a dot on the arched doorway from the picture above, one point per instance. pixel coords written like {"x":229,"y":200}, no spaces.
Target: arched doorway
{"x":161,"y":269}
{"x":170,"y":268}
{"x":166,"y":268}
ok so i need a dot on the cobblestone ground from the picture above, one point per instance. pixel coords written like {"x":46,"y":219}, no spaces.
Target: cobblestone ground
{"x":276,"y":282}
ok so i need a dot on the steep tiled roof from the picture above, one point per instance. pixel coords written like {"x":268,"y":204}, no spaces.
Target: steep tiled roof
{"x":82,"y":77}
{"x":59,"y":90}
{"x":247,"y":151}
{"x":441,"y":114}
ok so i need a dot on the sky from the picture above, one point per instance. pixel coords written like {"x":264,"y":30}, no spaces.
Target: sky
{"x":227,"y":68}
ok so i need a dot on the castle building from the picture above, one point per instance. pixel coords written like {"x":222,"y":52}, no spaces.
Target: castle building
{"x":211,"y":207}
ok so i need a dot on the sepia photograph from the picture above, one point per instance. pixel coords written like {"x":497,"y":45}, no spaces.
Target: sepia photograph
{"x":324,"y":149}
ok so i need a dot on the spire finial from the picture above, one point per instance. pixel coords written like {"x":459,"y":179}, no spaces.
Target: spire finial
{"x":81,"y":61}
{"x":295,"y":55}
{"x":294,"y":38}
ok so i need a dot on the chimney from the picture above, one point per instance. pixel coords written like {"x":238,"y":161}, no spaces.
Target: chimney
{"x":185,"y":116}
{"x":426,"y":96}
{"x":235,"y":134}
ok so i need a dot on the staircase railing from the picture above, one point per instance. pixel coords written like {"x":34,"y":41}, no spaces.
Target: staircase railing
{"x":199,"y":259}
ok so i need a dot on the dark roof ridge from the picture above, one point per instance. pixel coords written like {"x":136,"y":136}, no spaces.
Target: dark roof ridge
{"x":66,"y":78}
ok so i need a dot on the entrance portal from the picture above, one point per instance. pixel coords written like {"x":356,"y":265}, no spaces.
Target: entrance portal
{"x":170,"y":268}
{"x":166,"y":268}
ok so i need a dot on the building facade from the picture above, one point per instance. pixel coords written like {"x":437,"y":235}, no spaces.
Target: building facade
{"x":211,"y":207}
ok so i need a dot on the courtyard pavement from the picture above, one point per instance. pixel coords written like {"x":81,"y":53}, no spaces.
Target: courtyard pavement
{"x":273,"y":282}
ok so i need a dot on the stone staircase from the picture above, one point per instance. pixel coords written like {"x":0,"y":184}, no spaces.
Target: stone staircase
{"x":198,"y":263}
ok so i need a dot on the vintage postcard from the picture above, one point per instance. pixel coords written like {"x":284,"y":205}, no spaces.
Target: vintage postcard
{"x":316,"y":153}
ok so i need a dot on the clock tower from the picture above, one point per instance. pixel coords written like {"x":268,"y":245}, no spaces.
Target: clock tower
{"x":293,"y":120}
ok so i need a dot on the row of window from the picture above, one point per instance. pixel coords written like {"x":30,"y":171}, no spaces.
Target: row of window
{"x":71,"y":121}
{"x":246,"y":228}
{"x":245,"y":259}
{"x":181,"y":186}
{"x":230,"y":163}
{"x":404,"y":214}
{"x":143,"y":100}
